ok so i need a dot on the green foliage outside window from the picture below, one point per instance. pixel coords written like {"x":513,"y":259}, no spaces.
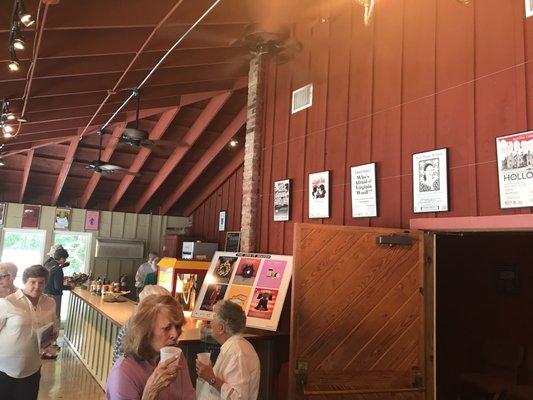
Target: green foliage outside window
{"x":77,"y":247}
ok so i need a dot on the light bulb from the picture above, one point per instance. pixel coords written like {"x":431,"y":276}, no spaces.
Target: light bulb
{"x":18,"y":44}
{"x":14,"y":66}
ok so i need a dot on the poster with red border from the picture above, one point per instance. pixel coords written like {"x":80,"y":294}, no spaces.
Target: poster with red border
{"x":257,"y":282}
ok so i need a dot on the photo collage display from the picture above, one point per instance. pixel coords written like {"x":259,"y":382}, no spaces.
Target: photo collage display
{"x":257,"y":282}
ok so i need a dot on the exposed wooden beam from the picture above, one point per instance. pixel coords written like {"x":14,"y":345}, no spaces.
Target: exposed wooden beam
{"x":65,"y":168}
{"x":106,"y":155}
{"x":159,"y":129}
{"x":205,"y":160}
{"x":26,"y":174}
{"x":196,"y":130}
{"x":217,"y":181}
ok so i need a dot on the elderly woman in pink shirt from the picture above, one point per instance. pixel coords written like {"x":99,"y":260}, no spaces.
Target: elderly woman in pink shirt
{"x":138,"y":374}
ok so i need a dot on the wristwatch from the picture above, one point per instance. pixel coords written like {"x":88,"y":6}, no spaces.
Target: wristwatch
{"x":212,"y":380}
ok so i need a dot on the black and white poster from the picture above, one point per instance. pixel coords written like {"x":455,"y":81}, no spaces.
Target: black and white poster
{"x":515,"y":170}
{"x":319,"y":195}
{"x":282,"y":190}
{"x":364,"y":203}
{"x":430,"y":181}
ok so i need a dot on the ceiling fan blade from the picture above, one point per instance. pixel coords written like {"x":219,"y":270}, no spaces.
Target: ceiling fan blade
{"x":115,"y":168}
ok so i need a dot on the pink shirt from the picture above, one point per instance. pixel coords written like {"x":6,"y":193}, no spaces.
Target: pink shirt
{"x":128,"y":377}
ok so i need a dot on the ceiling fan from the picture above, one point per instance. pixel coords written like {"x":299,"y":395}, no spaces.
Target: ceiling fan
{"x":103,"y":167}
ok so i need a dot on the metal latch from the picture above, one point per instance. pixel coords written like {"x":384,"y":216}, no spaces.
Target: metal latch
{"x":300,"y":374}
{"x":394,"y":240}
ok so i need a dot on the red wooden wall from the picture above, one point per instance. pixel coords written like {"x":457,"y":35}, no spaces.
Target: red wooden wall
{"x":424,"y":74}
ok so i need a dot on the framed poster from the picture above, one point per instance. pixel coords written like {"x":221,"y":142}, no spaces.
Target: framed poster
{"x":92,"y":220}
{"x":30,"y":216}
{"x":62,"y":218}
{"x":3,"y":213}
{"x":282,"y":191}
{"x":364,"y":200}
{"x":222,"y":221}
{"x":529,"y":8}
{"x":257,"y":282}
{"x":233,"y":241}
{"x":430,"y":181}
{"x":319,"y":195}
{"x":515,"y":169}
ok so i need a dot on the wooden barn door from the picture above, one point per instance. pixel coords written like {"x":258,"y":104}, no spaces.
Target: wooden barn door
{"x":357,"y":314}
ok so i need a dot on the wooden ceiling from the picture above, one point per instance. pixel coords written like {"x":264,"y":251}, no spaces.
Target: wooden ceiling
{"x":87,"y":58}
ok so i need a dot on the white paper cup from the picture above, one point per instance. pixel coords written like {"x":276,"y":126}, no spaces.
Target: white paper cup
{"x":168,"y":352}
{"x":204,"y":358}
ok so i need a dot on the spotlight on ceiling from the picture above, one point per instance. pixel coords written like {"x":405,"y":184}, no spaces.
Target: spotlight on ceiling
{"x":24,"y":16}
{"x":233,"y":142}
{"x":8,"y":130}
{"x":14,"y":64}
{"x":1,"y":163}
{"x":16,"y":40}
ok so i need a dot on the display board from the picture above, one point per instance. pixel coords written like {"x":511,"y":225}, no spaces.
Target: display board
{"x":257,"y":282}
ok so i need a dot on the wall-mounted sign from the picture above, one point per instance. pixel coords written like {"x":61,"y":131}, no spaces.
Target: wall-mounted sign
{"x":30,"y":217}
{"x":515,"y":170}
{"x":62,"y":218}
{"x":364,"y":201}
{"x":282,"y":192}
{"x":233,"y":241}
{"x":257,"y":282}
{"x":222,"y":221}
{"x":319,"y":195}
{"x":430,"y":181}
{"x":92,"y":220}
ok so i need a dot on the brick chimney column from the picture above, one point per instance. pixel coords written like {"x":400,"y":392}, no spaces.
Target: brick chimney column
{"x":252,"y":155}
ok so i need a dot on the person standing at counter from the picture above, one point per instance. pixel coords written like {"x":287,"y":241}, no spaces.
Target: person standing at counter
{"x":146,"y":268}
{"x":139,"y":374}
{"x":54,"y":287}
{"x":237,"y":371}
{"x":21,"y":315}
{"x":8,"y":273}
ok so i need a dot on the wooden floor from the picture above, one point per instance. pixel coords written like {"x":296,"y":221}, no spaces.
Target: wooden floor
{"x":67,"y":378}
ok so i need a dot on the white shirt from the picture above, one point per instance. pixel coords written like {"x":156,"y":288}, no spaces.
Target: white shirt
{"x":19,"y":321}
{"x":238,"y":366}
{"x":145,"y":269}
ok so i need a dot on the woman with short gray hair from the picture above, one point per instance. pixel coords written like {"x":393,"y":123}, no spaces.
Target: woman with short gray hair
{"x":8,"y":273}
{"x":237,"y":371}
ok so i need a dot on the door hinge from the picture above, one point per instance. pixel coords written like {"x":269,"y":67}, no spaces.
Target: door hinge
{"x":300,"y":373}
{"x":394,"y":240}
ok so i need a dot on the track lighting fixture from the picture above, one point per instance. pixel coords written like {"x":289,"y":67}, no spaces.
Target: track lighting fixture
{"x":1,"y":163}
{"x":14,"y":63}
{"x":233,"y":143}
{"x":23,"y":15}
{"x":16,"y":40}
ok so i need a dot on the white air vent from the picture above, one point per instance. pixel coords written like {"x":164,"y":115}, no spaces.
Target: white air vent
{"x":109,"y":248}
{"x":529,"y":8}
{"x":302,"y":98}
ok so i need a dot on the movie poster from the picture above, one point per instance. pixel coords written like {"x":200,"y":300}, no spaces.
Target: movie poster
{"x":319,"y":195}
{"x":515,"y":170}
{"x":529,"y":8}
{"x":430,"y":181}
{"x":281,"y":200}
{"x":92,"y":220}
{"x":62,"y":218}
{"x":30,"y":217}
{"x":256,"y":282}
{"x":364,"y":202}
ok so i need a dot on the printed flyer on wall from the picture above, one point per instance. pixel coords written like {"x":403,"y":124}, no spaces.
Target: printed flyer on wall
{"x":430,"y":181}
{"x":257,"y":282}
{"x":364,"y":203}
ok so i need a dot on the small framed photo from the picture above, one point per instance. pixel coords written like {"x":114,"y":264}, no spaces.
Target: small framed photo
{"x":222,"y":221}
{"x":430,"y":181}
{"x":319,"y":195}
{"x":282,"y":192}
{"x":3,"y":213}
{"x":233,"y":242}
{"x":92,"y":220}
{"x":529,"y":8}
{"x":62,"y":218}
{"x":30,"y":216}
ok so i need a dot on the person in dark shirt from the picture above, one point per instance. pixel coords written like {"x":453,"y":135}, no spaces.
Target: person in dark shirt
{"x":54,"y":287}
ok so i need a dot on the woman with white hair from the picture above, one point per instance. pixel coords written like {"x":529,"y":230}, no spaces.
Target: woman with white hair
{"x":149,"y":290}
{"x":8,"y":273}
{"x":237,"y":371}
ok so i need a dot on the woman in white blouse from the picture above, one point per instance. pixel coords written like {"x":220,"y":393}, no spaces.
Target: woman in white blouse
{"x":236,"y":373}
{"x":22,"y":314}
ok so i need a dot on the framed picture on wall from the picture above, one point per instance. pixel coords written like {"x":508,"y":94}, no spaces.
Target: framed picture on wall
{"x":233,"y":241}
{"x":282,"y":192}
{"x":30,"y":217}
{"x":3,"y":213}
{"x":430,"y":181}
{"x":222,"y":221}
{"x":62,"y":218}
{"x":364,"y":200}
{"x":529,"y":8}
{"x":92,"y":220}
{"x":319,"y":195}
{"x":515,"y":170}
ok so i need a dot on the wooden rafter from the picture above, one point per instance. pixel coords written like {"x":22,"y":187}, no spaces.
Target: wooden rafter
{"x":65,"y":168}
{"x":159,"y":129}
{"x":196,"y":130}
{"x":205,"y":160}
{"x":221,"y":177}
{"x":106,"y":155}
{"x":26,"y":174}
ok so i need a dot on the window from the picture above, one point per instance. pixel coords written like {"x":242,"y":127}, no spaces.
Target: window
{"x":77,"y":244}
{"x":24,"y":247}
